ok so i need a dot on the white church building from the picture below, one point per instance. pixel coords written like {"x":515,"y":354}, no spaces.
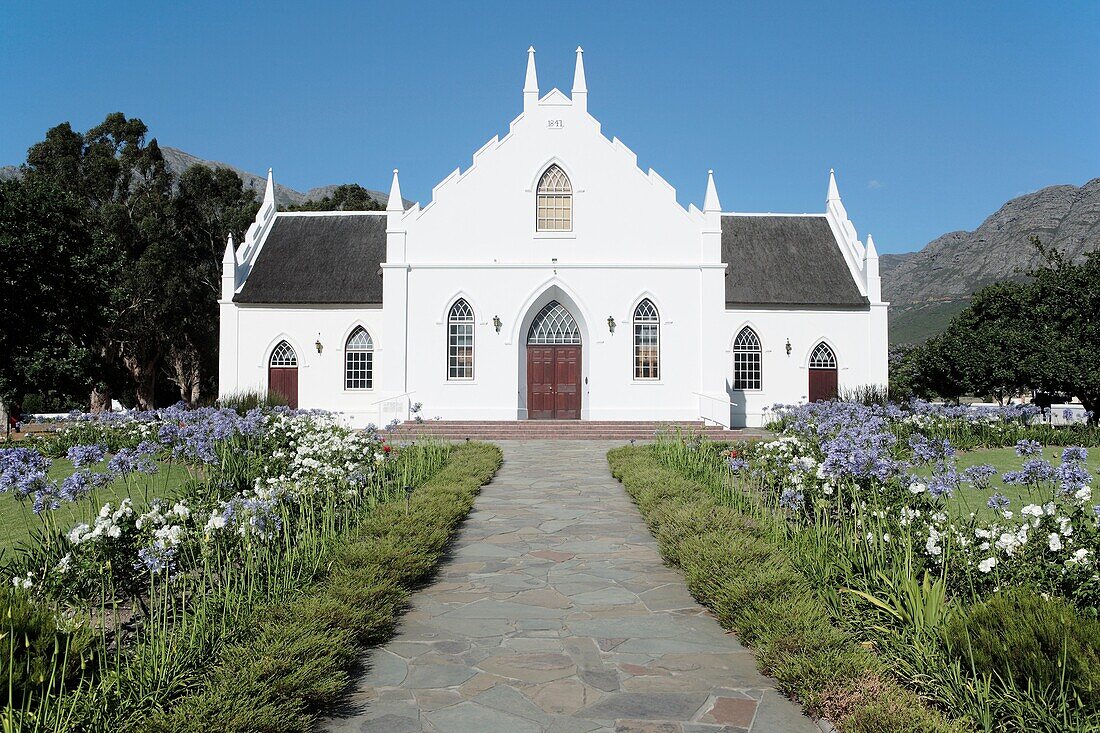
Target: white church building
{"x":552,"y":279}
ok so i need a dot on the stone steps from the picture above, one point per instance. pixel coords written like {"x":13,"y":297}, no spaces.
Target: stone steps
{"x":555,"y":429}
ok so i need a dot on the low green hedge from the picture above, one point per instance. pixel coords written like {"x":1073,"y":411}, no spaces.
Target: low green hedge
{"x":299,"y":658}
{"x":749,"y":583}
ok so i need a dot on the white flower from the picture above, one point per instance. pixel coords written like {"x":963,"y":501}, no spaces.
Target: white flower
{"x":114,"y":531}
{"x":76,"y":534}
{"x":917,"y":487}
{"x":1054,"y":541}
{"x":65,"y":563}
{"x":181,"y":510}
{"x":1083,"y":494}
{"x":987,"y":564}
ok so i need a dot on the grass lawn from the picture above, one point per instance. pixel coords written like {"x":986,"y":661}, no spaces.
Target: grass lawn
{"x":17,"y":521}
{"x":969,"y":500}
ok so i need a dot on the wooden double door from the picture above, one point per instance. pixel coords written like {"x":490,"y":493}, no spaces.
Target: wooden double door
{"x":823,"y":384}
{"x":553,"y":382}
{"x":284,"y":381}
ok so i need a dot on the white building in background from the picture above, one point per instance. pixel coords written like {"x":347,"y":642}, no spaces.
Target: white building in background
{"x":555,"y":279}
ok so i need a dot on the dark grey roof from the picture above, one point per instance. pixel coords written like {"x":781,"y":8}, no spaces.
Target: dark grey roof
{"x":319,"y":259}
{"x":786,"y":261}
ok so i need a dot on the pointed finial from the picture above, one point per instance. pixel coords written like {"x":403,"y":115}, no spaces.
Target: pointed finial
{"x":395,"y":202}
{"x":710,"y":202}
{"x":871,"y":252}
{"x":834,"y":194}
{"x":531,"y":83}
{"x":579,"y":84}
{"x":230,"y":256}
{"x":269,"y":191}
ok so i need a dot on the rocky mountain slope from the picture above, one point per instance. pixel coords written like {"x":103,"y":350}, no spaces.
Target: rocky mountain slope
{"x":927,"y":287}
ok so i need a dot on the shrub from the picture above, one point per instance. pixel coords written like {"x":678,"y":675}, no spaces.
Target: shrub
{"x":38,"y":657}
{"x":247,"y":400}
{"x":1030,"y":642}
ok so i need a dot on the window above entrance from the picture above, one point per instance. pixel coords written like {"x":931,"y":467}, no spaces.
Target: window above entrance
{"x":553,"y":325}
{"x":554,"y":209}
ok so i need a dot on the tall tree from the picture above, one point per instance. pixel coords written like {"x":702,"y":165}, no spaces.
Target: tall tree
{"x":345,"y":197}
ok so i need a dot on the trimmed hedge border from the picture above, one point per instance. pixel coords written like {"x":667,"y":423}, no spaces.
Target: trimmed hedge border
{"x":298,"y":659}
{"x":751,"y":586}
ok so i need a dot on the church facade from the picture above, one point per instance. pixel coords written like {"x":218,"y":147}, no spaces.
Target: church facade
{"x":552,"y":279}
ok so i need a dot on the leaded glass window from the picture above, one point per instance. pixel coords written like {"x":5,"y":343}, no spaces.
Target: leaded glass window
{"x":284,"y":356}
{"x":460,"y":341}
{"x":554,"y":210}
{"x":359,"y":360}
{"x":822,"y":357}
{"x":647,"y":341}
{"x":746,"y":360}
{"x":553,"y":325}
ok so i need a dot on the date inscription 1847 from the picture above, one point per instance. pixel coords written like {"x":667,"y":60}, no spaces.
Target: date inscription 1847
{"x":555,"y":124}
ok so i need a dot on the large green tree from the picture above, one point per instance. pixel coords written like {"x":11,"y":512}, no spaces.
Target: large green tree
{"x":49,"y":292}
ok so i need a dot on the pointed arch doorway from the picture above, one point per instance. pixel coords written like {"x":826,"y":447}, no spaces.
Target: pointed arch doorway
{"x":554,"y":365}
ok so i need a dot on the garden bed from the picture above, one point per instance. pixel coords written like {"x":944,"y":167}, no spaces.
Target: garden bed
{"x":292,"y":538}
{"x":988,"y":616}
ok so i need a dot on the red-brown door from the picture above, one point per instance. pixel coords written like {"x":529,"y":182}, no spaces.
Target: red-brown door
{"x":822,"y":384}
{"x":284,"y":381}
{"x":554,"y":382}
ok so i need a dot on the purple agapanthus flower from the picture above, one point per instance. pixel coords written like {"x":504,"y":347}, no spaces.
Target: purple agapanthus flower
{"x":791,"y":499}
{"x":85,"y":455}
{"x":1074,"y":453}
{"x":1028,"y":448}
{"x":22,"y":471}
{"x":736,"y":464}
{"x":1035,"y":470}
{"x":1072,"y":476}
{"x":979,"y":474}
{"x":998,"y":501}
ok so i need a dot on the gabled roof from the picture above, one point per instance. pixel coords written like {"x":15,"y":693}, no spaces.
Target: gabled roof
{"x":786,"y":261}
{"x":310,"y":259}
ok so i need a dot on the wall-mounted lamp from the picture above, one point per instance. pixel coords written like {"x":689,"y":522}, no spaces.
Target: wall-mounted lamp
{"x":611,"y":324}
{"x":497,"y":323}
{"x":788,"y":347}
{"x":319,"y":345}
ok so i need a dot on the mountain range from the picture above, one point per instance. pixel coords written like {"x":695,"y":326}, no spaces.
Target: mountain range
{"x":926,"y":288}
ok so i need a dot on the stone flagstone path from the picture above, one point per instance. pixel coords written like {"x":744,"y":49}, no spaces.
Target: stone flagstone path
{"x":556,"y":614}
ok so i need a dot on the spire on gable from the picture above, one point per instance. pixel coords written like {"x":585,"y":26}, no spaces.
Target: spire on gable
{"x":711,"y":202}
{"x":580,"y":87}
{"x":531,"y":83}
{"x":230,"y":256}
{"x":871,"y":253}
{"x":834,"y":194}
{"x":395,"y":202}
{"x":269,"y":191}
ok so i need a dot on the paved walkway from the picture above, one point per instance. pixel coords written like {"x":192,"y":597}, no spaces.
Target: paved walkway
{"x":555,"y":613}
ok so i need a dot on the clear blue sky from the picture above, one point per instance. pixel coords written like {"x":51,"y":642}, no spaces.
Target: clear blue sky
{"x":933,"y":113}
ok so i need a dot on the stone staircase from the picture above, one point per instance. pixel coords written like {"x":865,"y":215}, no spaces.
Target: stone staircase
{"x":491,"y":430}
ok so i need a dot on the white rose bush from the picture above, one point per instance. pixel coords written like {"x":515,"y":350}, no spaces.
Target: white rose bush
{"x":161,"y":580}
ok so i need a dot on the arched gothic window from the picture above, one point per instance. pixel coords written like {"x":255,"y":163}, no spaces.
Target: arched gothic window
{"x":554,"y":211}
{"x":284,"y":356}
{"x":822,"y":357}
{"x":359,"y":360}
{"x":460,"y":341}
{"x":746,"y":360}
{"x":647,"y":341}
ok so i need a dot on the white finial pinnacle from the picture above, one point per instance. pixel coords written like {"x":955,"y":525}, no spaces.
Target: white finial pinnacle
{"x":711,"y":202}
{"x":871,"y":252}
{"x":230,"y":256}
{"x":579,"y":84}
{"x":531,"y":82}
{"x":269,"y":191}
{"x":395,"y":202}
{"x":834,"y":194}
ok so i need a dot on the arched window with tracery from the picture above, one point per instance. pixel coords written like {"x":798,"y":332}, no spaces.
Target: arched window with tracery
{"x":460,"y":341}
{"x":746,"y":360}
{"x":554,"y":210}
{"x":359,"y":360}
{"x":647,"y":341}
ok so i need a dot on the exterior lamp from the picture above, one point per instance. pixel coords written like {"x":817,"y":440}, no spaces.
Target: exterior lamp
{"x":497,"y":323}
{"x":319,"y":345}
{"x":611,"y":324}
{"x":788,"y":347}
